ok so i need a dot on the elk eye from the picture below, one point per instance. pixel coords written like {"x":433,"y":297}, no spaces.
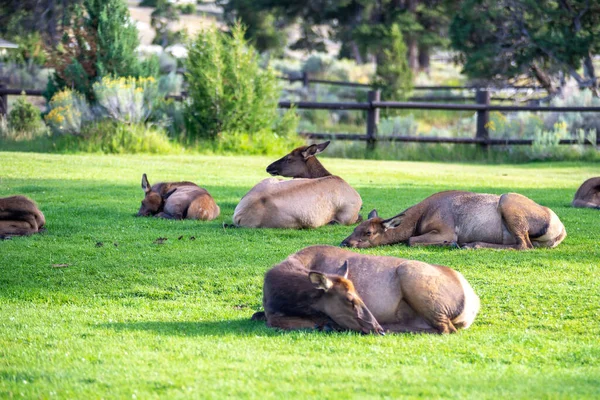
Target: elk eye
{"x":369,"y":233}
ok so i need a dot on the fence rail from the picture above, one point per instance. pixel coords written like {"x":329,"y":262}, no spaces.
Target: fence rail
{"x":373,"y":106}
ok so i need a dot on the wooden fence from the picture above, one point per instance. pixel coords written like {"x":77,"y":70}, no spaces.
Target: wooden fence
{"x":482,"y":107}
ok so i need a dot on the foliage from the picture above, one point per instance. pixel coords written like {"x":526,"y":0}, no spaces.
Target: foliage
{"x":30,"y":76}
{"x":110,"y":313}
{"x":112,"y":137}
{"x":101,"y":42}
{"x":30,"y":51}
{"x":543,"y":39}
{"x":24,"y":20}
{"x":24,"y":116}
{"x":69,"y":111}
{"x":188,"y":8}
{"x":393,"y":76}
{"x":164,"y":14}
{"x":228,"y":91}
{"x":127,"y":100}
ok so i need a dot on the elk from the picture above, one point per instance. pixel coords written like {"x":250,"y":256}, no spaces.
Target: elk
{"x":588,"y":194}
{"x":312,"y":199}
{"x":469,"y":220}
{"x":325,"y":286}
{"x":19,"y":216}
{"x":177,"y":200}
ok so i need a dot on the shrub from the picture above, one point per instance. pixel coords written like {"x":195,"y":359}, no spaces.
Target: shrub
{"x":68,"y":112}
{"x":393,"y":75}
{"x":112,"y":137}
{"x":128,"y":100}
{"x":24,"y":116}
{"x":228,"y":92}
{"x":187,"y":9}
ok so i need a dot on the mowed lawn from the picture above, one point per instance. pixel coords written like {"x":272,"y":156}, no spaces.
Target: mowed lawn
{"x":96,"y":307}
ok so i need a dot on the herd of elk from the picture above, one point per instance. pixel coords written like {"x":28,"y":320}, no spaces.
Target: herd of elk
{"x":177,"y":200}
{"x":312,"y":199}
{"x":19,"y":216}
{"x":328,"y":287}
{"x":469,"y":220}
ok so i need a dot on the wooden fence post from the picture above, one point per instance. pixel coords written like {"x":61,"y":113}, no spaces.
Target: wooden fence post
{"x":372,"y":119}
{"x":483,"y":117}
{"x":3,"y":101}
{"x":305,"y":81}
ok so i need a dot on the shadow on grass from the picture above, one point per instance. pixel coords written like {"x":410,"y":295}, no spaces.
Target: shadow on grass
{"x":230,"y":327}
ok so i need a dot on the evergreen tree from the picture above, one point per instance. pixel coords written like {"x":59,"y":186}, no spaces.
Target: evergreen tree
{"x":393,"y":75}
{"x":101,"y":41}
{"x":542,"y":39}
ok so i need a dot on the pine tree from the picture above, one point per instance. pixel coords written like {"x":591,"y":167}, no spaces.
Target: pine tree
{"x":101,"y":42}
{"x":393,"y":74}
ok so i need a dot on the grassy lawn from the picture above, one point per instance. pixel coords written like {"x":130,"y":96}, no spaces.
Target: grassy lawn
{"x":132,"y":318}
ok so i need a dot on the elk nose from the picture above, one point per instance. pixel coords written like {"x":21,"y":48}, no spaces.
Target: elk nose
{"x":271,"y":170}
{"x":344,"y":244}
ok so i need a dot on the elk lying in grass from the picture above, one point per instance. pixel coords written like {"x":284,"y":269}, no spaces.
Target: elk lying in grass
{"x":19,"y":216}
{"x":470,"y":220}
{"x":325,"y":285}
{"x":588,"y":194}
{"x":315,"y":199}
{"x":177,"y":200}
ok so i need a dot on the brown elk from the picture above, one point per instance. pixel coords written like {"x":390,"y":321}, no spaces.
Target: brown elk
{"x":322,"y":286}
{"x":315,"y":198}
{"x":470,"y":220}
{"x":19,"y":216}
{"x":177,"y":200}
{"x":588,"y":194}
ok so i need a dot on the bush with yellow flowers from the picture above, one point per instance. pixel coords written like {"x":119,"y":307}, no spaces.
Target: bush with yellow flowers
{"x":128,"y":100}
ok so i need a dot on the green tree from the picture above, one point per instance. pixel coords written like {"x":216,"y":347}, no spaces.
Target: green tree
{"x":228,"y":91}
{"x":101,"y":41}
{"x":541,"y":39}
{"x":393,"y":75}
{"x":423,"y":23}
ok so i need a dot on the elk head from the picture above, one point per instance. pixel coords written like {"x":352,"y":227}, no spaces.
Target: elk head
{"x":153,"y":201}
{"x":300,"y":163}
{"x":372,"y":232}
{"x":342,"y":303}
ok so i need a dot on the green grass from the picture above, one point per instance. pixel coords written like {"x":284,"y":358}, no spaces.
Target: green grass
{"x":132,"y":318}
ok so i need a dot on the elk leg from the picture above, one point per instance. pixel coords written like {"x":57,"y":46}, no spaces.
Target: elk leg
{"x":434,"y":238}
{"x":17,"y":228}
{"x":165,"y":215}
{"x":485,"y":245}
{"x":584,"y":204}
{"x":292,"y":323}
{"x":515,"y":220}
{"x":407,"y":328}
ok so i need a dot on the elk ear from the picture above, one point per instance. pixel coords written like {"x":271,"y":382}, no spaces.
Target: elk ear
{"x":320,"y":281}
{"x":393,"y":222}
{"x":343,"y":271}
{"x":314,"y":149}
{"x":145,"y":184}
{"x":373,"y":214}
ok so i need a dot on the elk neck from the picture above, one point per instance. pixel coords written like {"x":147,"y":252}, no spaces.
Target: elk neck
{"x":316,"y":169}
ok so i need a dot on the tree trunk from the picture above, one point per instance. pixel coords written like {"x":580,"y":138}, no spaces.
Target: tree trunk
{"x":411,"y":43}
{"x":424,"y":61}
{"x":413,"y":58}
{"x":356,"y":53}
{"x":543,"y":79}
